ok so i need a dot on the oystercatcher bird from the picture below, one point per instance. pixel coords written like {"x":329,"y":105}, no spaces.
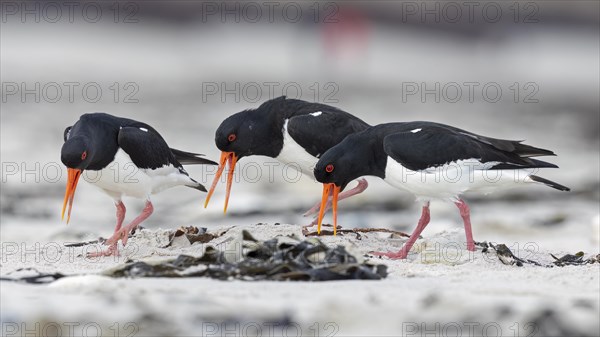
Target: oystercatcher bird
{"x":432,"y":161}
{"x":123,"y":157}
{"x":292,"y":131}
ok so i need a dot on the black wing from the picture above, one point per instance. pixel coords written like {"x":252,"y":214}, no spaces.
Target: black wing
{"x":318,"y":132}
{"x":436,"y":145}
{"x":145,"y":146}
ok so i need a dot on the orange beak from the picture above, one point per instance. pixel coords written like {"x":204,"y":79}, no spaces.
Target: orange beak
{"x":72,"y":179}
{"x":226,"y":157}
{"x":327,"y":190}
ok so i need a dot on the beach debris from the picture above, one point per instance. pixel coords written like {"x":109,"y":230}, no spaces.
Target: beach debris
{"x":194,"y":234}
{"x":574,"y":260}
{"x":100,"y":240}
{"x":308,"y":260}
{"x":84,"y":243}
{"x":356,"y":231}
{"x":506,"y":256}
{"x":568,"y":259}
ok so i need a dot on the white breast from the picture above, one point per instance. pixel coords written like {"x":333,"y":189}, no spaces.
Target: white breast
{"x":295,"y":155}
{"x":453,"y":179}
{"x":122,"y":177}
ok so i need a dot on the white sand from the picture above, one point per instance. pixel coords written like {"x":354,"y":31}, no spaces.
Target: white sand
{"x":440,"y":289}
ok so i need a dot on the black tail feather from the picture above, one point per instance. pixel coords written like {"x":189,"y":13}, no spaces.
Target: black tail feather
{"x":525,"y":164}
{"x":542,"y":164}
{"x":198,"y":186}
{"x":525,"y":150}
{"x":189,"y":158}
{"x":549,"y":183}
{"x":514,"y":146}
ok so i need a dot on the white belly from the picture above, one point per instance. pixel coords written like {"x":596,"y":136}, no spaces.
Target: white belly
{"x":122,"y":177}
{"x":449,"y":181}
{"x":295,"y":155}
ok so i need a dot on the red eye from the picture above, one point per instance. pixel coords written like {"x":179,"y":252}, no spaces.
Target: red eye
{"x":329,"y":168}
{"x":231,"y":137}
{"x":84,"y":155}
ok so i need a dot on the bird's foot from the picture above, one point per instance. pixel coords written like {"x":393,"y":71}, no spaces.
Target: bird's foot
{"x":392,"y":255}
{"x":111,"y":251}
{"x":471,"y":246}
{"x":122,"y":234}
{"x":112,"y":242}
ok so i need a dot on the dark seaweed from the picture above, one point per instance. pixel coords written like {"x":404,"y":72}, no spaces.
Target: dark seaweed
{"x":308,"y":260}
{"x":506,"y":256}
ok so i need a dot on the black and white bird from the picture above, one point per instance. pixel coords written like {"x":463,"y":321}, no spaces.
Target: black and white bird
{"x":432,"y":161}
{"x":123,"y":157}
{"x":292,"y":131}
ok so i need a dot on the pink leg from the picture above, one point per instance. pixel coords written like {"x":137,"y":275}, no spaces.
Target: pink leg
{"x":120,"y":214}
{"x":465,"y":213}
{"x":402,"y":253}
{"x":112,"y":249}
{"x":123,"y":233}
{"x":362,"y":185}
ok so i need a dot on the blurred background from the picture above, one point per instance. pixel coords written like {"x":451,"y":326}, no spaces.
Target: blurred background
{"x":514,"y":70}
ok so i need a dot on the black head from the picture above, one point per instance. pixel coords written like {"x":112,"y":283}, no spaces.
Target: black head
{"x":356,"y":156}
{"x":76,"y":152}
{"x":252,"y":132}
{"x":247,"y":133}
{"x":359,"y":154}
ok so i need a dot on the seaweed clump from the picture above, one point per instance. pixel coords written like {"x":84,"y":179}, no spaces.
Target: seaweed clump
{"x":308,"y":260}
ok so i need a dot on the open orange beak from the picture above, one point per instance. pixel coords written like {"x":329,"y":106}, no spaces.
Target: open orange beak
{"x":72,"y":179}
{"x":328,"y":189}
{"x":226,"y":157}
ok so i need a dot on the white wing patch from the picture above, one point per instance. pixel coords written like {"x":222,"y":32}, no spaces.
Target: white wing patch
{"x":316,"y":114}
{"x":415,"y":130}
{"x":144,"y":129}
